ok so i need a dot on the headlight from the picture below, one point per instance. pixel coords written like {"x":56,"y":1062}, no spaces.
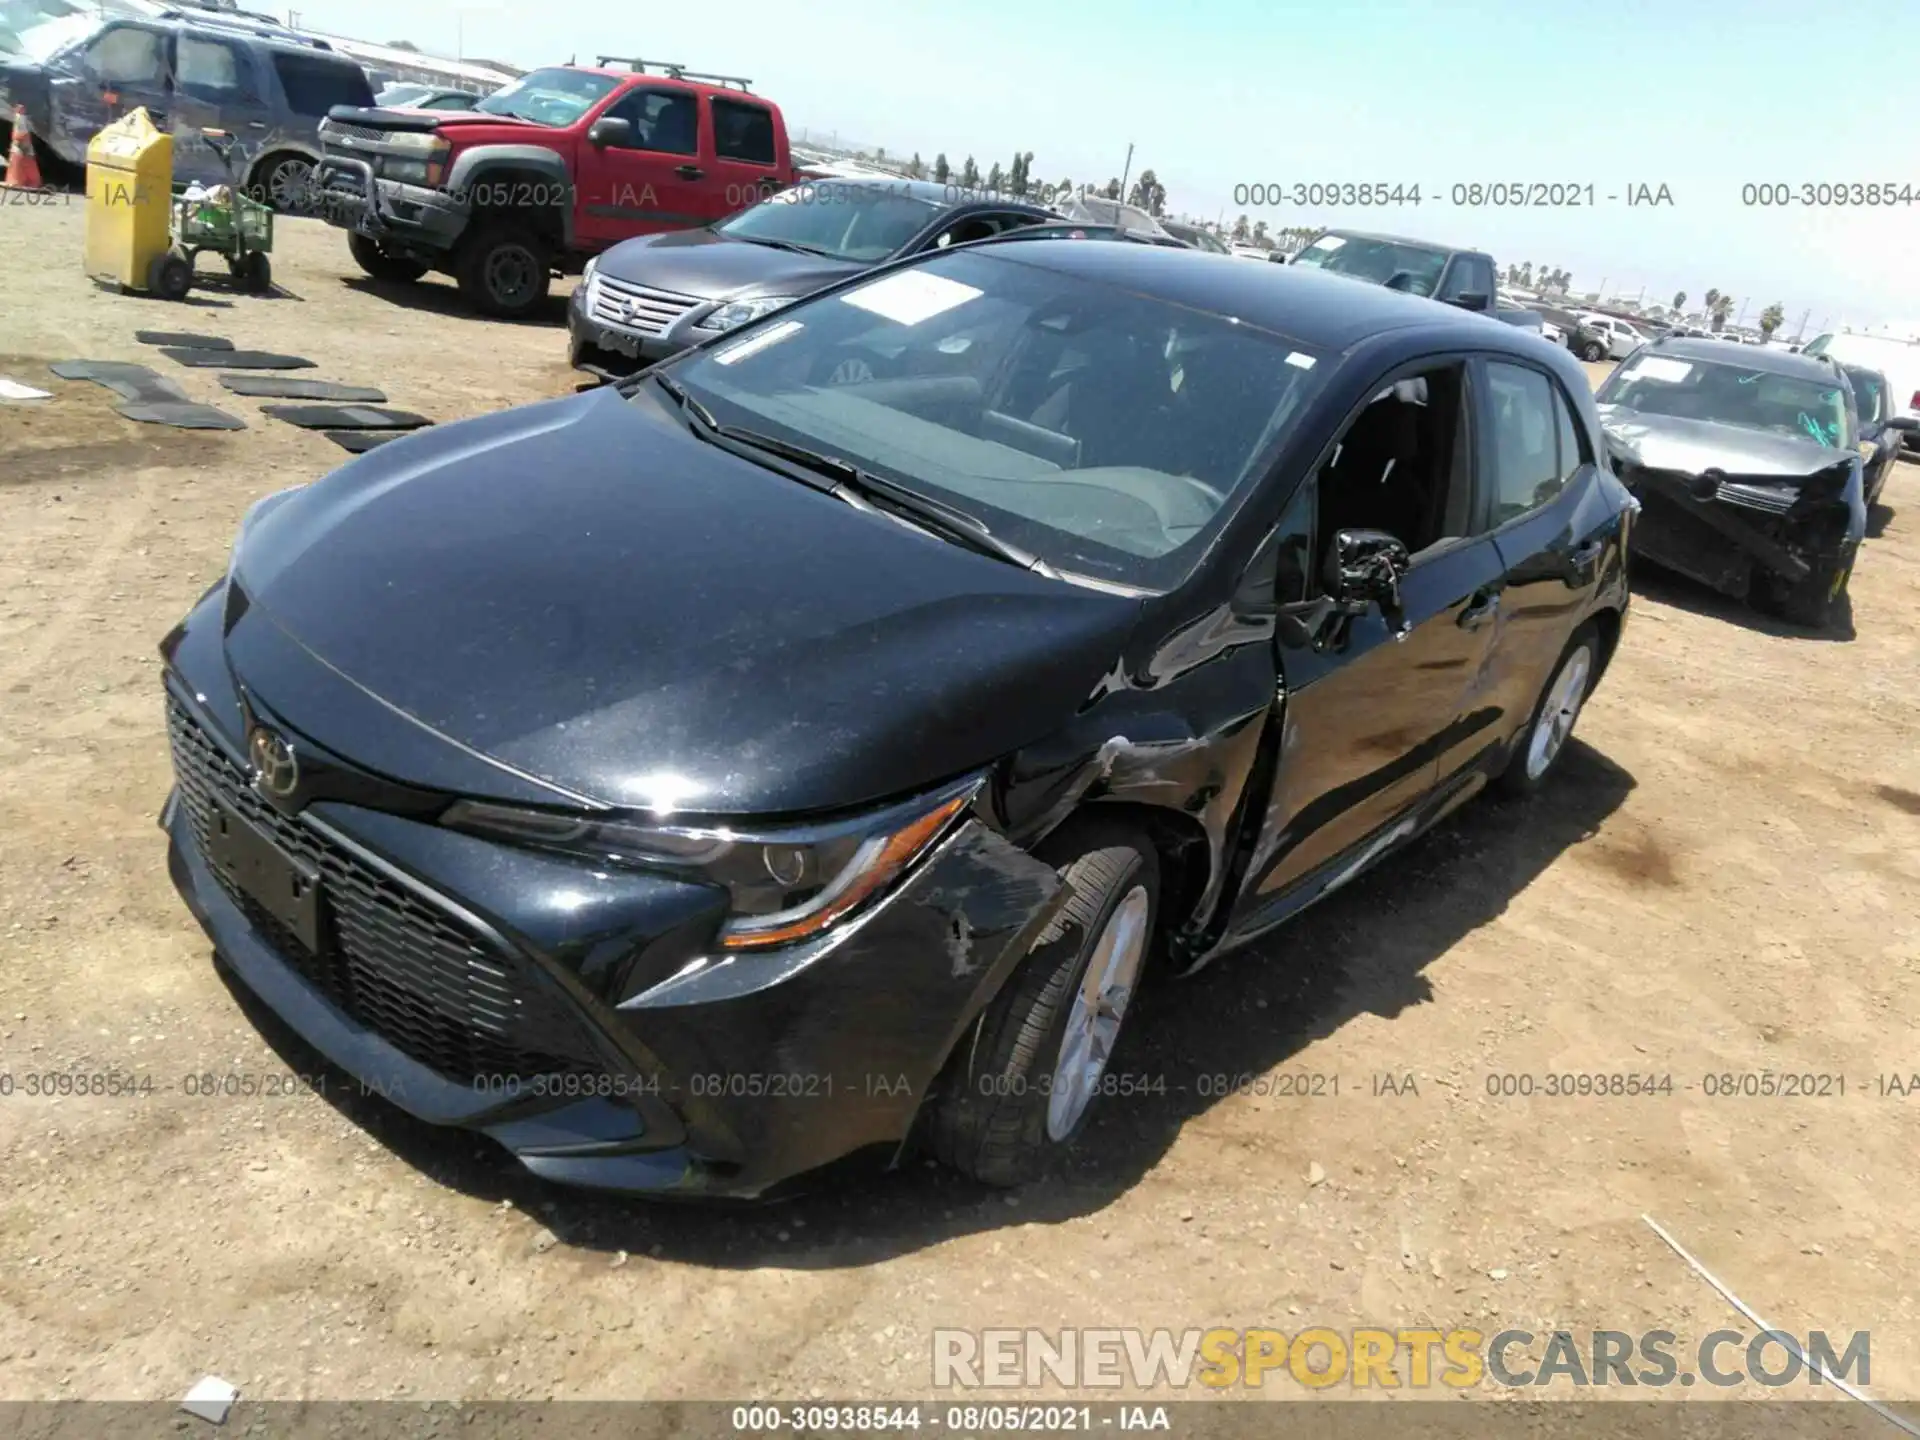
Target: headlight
{"x":407,"y":172}
{"x":586,"y":271}
{"x":738,"y":312}
{"x":785,"y":884}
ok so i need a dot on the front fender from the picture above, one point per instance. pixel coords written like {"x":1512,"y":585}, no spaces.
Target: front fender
{"x":552,"y":195}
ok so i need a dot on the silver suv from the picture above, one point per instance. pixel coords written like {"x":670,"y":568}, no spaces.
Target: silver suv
{"x":264,"y":84}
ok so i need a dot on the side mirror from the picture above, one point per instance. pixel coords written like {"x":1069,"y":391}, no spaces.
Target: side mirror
{"x":1902,"y":422}
{"x":1363,"y":568}
{"x":610,"y":130}
{"x":1401,"y":280}
{"x":1474,"y":300}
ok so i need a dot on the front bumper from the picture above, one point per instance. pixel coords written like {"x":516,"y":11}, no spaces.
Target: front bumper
{"x":416,"y":221}
{"x":613,"y":352}
{"x":574,"y":1016}
{"x":1723,"y":538}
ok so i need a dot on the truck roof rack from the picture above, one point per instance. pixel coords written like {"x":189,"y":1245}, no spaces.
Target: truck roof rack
{"x":674,"y":72}
{"x":238,"y":21}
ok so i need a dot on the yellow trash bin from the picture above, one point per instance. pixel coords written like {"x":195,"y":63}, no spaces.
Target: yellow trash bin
{"x":129,"y":196}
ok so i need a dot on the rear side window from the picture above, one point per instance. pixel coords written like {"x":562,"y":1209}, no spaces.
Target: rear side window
{"x":1526,"y":450}
{"x":128,"y":55}
{"x":211,"y":70}
{"x":315,"y":86}
{"x":743,"y":132}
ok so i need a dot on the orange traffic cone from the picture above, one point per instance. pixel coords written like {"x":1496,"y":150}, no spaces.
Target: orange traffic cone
{"x":23,"y":170}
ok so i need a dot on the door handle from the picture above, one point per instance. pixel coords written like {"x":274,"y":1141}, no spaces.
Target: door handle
{"x":1586,"y":554}
{"x":256,"y":124}
{"x":1481,"y":606}
{"x":688,"y":172}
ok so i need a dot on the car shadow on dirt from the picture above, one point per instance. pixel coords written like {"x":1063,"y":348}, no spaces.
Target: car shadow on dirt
{"x":1364,"y":951}
{"x":1668,"y":588}
{"x":438,"y":296}
{"x":1879,"y":517}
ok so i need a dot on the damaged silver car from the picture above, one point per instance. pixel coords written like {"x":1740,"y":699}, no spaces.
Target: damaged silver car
{"x":266,"y":85}
{"x":1748,"y":465}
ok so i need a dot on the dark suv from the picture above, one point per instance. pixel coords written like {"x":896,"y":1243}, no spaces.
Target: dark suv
{"x":265,"y":85}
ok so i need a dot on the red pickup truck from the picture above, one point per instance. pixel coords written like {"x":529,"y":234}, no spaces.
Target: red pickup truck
{"x":545,"y":173}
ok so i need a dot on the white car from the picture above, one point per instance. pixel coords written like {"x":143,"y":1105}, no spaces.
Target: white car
{"x":1603,"y":337}
{"x":1249,"y":252}
{"x":1897,"y":359}
{"x":1551,"y":331}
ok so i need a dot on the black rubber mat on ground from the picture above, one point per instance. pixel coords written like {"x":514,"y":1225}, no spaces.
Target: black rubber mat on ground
{"x":345,"y":417}
{"x":182,"y":339}
{"x":361,"y":441}
{"x":238,"y":359}
{"x":135,"y":383}
{"x":182,"y":415}
{"x":291,"y":387}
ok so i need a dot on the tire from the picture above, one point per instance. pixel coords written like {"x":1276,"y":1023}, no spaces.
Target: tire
{"x":504,"y":271}
{"x":1004,"y":1116}
{"x":1539,"y":746}
{"x":1812,"y":601}
{"x":1593,"y":352}
{"x":284,"y":182}
{"x":368,"y":255}
{"x":253,"y":272}
{"x":169,"y":276}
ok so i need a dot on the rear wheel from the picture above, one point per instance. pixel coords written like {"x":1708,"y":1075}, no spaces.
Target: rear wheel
{"x":504,"y":271}
{"x":169,"y":276}
{"x":253,"y":272}
{"x":1027,"y":1076}
{"x":1551,"y":725}
{"x":284,"y":182}
{"x":368,"y":255}
{"x":1593,"y":351}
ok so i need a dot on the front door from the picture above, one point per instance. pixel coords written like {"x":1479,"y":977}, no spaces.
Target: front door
{"x":1378,"y":712}
{"x":658,"y":180}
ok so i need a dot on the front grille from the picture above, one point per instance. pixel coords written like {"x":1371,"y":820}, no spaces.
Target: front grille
{"x":1775,"y":501}
{"x":370,"y":133}
{"x":407,"y":970}
{"x":637,"y":308}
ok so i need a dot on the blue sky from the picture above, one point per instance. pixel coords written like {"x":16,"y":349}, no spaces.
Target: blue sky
{"x":1699,"y":95}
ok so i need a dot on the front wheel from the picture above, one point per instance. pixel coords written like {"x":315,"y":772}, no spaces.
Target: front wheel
{"x":285,"y":182}
{"x":1027,"y":1076}
{"x":170,"y":276}
{"x":1810,"y":602}
{"x":368,"y":255}
{"x":1592,"y":352}
{"x":504,"y":271}
{"x":1551,"y":724}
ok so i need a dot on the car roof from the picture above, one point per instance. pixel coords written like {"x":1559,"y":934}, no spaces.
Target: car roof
{"x":1752,"y":357}
{"x":1327,"y":312}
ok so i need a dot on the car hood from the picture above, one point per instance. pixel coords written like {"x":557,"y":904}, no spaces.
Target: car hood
{"x":709,"y":265}
{"x":1666,"y":442}
{"x":585,"y":592}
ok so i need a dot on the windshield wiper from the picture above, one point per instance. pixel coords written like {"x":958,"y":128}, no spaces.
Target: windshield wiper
{"x":864,"y":489}
{"x":795,"y":246}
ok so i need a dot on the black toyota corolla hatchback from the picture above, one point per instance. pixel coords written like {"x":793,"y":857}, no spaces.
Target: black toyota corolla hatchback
{"x":706,"y":779}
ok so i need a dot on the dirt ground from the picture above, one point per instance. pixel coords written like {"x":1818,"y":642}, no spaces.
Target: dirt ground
{"x":1722,"y":881}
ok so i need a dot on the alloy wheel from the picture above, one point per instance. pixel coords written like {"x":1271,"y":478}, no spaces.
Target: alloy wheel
{"x":1558,"y":712}
{"x":1093,"y":1025}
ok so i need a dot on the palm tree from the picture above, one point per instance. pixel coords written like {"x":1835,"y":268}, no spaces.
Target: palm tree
{"x":1722,"y":307}
{"x":1111,"y":190}
{"x":941,"y":170}
{"x":996,"y":179}
{"x":1711,"y":300}
{"x":1241,"y":230}
{"x":1526,"y":275}
{"x":917,"y":167}
{"x":969,"y":175}
{"x":1771,"y":318}
{"x":1260,"y":233}
{"x":1679,"y":302}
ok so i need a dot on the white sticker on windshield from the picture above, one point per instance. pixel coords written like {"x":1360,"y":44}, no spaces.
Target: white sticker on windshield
{"x":754,"y":344}
{"x":1328,"y":242}
{"x":1305,"y":362}
{"x":1658,"y":367}
{"x":910,"y":296}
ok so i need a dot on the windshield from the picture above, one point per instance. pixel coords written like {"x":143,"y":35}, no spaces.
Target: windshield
{"x":847,"y":222}
{"x":1196,"y":237}
{"x":1101,"y":429}
{"x":1365,"y":258}
{"x":1868,"y":394}
{"x":41,"y":41}
{"x":1730,"y":395}
{"x":550,"y":97}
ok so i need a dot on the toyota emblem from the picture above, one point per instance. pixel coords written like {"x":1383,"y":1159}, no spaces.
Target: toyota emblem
{"x":276,"y":769}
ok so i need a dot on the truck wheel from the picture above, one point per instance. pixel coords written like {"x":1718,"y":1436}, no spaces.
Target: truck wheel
{"x":169,"y":276}
{"x":504,"y":271}
{"x":1026,"y":1076}
{"x":284,"y":182}
{"x":368,"y":255}
{"x":1813,"y":600}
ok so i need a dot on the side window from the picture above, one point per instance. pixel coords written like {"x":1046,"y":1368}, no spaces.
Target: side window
{"x":211,"y":70}
{"x":1572,"y":448}
{"x":313,"y":86}
{"x":667,"y":121}
{"x":1468,"y":275}
{"x":743,"y":132}
{"x":1293,"y":565}
{"x":128,"y":55}
{"x":1525,"y":450}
